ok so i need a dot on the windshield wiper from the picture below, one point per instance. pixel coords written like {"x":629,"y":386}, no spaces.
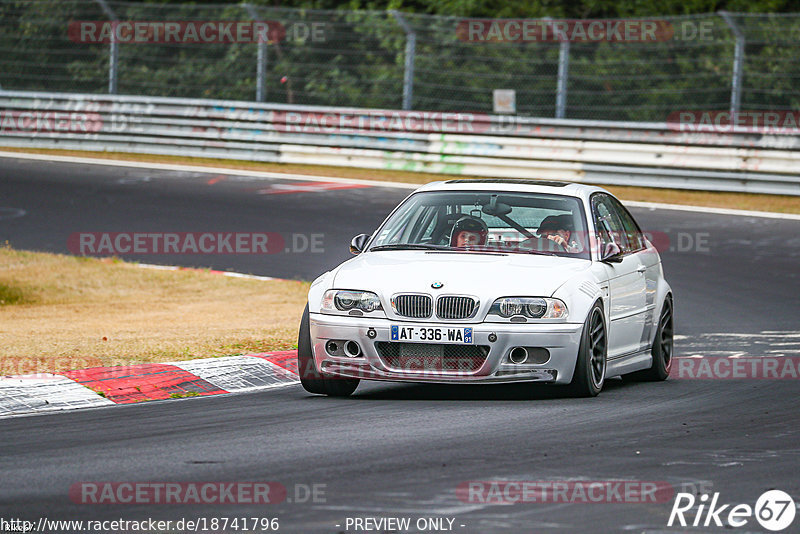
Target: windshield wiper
{"x":483,"y":249}
{"x":540,"y":252}
{"x":501,"y":250}
{"x":409,"y":246}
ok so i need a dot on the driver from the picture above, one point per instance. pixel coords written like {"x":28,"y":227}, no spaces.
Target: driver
{"x":559,"y":229}
{"x":468,"y":232}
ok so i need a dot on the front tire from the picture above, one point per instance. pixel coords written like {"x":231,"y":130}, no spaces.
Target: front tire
{"x":590,"y":369}
{"x":663,"y":348}
{"x":310,"y":377}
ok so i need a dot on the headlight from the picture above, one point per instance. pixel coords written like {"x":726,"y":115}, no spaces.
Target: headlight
{"x":344,"y":300}
{"x":530,"y":307}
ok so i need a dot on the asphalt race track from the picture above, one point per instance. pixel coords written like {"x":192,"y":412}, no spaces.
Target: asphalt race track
{"x":402,"y":450}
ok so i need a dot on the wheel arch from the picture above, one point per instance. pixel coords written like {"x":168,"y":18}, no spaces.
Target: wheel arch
{"x":663,"y":292}
{"x":580,"y":296}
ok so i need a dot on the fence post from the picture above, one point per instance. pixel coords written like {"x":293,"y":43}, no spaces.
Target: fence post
{"x":113,"y":53}
{"x":738,"y":63}
{"x":563,"y":75}
{"x":261,"y":62}
{"x":411,"y":50}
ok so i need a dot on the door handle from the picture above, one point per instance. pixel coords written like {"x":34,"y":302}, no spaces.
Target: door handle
{"x":641,"y":269}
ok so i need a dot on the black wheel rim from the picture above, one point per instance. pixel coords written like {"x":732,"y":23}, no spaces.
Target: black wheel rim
{"x":597,"y":348}
{"x":665,"y":327}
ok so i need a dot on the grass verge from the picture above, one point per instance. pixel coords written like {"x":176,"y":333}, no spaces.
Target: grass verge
{"x":743,"y":201}
{"x":62,"y":312}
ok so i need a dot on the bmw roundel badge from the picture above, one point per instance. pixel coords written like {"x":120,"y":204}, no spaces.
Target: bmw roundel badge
{"x":437,"y":285}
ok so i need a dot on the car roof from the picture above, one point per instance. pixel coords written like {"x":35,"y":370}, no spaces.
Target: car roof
{"x":573,"y":189}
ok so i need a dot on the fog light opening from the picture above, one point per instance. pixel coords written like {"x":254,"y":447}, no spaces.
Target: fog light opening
{"x":352,"y":349}
{"x":518,"y":355}
{"x":331,"y":347}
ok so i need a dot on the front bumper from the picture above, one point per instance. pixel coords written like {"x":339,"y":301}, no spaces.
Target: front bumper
{"x":562,"y":340}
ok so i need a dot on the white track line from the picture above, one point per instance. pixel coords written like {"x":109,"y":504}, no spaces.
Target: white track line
{"x":198,"y":269}
{"x":718,"y":211}
{"x":374,"y":183}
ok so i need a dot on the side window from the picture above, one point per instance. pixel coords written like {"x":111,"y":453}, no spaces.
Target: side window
{"x":632,"y":231}
{"x":607,"y":221}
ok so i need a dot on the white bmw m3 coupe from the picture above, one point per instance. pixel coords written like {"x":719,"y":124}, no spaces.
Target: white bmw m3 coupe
{"x":487,"y":281}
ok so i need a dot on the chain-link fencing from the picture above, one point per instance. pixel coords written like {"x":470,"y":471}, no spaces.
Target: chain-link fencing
{"x":632,"y":70}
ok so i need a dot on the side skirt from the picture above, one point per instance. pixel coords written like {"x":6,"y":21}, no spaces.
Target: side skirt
{"x":628,"y":363}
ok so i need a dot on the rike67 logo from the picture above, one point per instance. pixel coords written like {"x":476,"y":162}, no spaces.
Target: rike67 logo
{"x":774,"y":510}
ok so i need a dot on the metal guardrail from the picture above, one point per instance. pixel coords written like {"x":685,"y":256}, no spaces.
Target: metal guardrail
{"x":636,"y":154}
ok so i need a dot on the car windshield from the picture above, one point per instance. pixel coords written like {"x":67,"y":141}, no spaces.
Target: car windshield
{"x":485,"y":221}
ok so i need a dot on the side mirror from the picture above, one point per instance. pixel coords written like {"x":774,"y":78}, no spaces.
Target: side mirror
{"x":358,"y":243}
{"x":611,"y":253}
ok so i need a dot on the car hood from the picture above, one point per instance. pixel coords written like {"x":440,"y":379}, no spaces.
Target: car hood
{"x":482,"y":275}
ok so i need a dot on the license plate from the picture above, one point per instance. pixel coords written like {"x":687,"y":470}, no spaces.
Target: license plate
{"x":432,"y":334}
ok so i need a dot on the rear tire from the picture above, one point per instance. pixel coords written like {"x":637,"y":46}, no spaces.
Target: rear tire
{"x":590,"y":369}
{"x":663,"y":348}
{"x":310,"y":377}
